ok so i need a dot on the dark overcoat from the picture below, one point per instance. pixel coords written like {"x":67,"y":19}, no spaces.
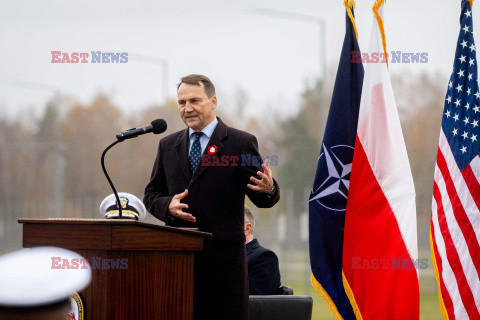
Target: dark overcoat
{"x":216,"y":195}
{"x":263,"y":270}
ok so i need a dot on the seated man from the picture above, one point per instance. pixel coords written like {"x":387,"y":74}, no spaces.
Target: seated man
{"x":263,"y":272}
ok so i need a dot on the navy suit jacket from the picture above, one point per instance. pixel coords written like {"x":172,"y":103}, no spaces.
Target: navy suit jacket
{"x":263,"y":271}
{"x":216,"y":196}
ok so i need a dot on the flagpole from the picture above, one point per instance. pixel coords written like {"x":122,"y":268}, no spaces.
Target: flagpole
{"x":375,"y":8}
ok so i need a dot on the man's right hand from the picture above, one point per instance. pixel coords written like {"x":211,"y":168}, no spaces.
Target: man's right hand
{"x":175,"y":207}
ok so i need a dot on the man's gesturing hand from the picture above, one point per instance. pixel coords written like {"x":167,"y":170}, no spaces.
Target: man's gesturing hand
{"x":266,"y":184}
{"x":175,"y":207}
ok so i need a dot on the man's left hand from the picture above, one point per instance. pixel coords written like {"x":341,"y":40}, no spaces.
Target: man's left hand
{"x":264,"y":185}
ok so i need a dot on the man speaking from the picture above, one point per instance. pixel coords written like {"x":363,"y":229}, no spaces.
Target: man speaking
{"x":184,"y":193}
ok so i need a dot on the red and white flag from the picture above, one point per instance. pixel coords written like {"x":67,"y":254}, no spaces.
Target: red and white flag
{"x":380,"y":253}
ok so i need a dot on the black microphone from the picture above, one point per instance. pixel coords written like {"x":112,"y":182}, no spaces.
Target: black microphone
{"x":157,"y":126}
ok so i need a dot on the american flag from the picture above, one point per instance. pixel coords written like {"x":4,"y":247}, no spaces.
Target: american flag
{"x":455,"y":221}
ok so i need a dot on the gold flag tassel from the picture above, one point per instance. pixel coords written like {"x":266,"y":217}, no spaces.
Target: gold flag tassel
{"x":349,"y":5}
{"x":375,"y":8}
{"x":321,"y":291}
{"x":437,"y":276}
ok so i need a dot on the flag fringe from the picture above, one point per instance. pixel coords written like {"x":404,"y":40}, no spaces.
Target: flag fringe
{"x":349,"y":5}
{"x":375,"y":8}
{"x":350,"y":296}
{"x":437,"y":276}
{"x":318,"y":287}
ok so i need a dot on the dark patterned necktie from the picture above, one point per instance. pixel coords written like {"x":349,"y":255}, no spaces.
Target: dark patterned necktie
{"x":195,"y":152}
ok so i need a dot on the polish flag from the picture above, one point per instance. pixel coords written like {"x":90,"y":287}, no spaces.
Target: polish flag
{"x":380,"y":253}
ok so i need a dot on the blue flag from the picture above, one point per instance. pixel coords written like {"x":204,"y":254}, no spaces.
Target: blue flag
{"x":328,"y":199}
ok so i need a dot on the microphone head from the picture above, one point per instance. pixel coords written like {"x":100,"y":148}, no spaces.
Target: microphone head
{"x":159,"y":126}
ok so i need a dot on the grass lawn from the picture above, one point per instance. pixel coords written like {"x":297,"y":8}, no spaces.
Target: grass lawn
{"x":296,"y":274}
{"x":429,"y":307}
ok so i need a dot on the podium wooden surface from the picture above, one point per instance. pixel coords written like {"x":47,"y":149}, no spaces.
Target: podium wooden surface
{"x":158,"y":281}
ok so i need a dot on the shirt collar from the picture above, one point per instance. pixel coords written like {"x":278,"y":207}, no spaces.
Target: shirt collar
{"x":208,"y":130}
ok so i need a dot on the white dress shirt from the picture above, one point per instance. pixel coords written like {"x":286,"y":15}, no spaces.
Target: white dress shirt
{"x":205,"y":138}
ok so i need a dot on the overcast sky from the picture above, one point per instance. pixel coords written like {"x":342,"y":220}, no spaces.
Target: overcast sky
{"x":270,"y":57}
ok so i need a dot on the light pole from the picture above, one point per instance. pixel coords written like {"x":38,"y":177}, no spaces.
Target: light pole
{"x":320,"y":22}
{"x":155,"y":61}
{"x":301,"y":17}
{"x":56,"y":145}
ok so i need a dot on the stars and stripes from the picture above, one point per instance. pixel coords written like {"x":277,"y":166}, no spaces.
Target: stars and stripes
{"x":455,"y":221}
{"x":460,"y":103}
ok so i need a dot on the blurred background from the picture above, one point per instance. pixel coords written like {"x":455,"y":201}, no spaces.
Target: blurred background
{"x":273,"y":63}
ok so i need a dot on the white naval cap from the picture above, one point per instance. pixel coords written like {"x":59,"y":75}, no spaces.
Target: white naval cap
{"x":132,"y":207}
{"x":28,"y":277}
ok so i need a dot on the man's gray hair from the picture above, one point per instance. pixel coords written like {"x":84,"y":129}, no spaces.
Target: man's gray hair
{"x":249,"y":216}
{"x":196,"y":79}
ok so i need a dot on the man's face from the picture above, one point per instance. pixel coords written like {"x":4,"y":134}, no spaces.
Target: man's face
{"x":195,"y":107}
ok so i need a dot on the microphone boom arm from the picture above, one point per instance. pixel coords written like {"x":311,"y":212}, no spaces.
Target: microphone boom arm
{"x":110,"y":181}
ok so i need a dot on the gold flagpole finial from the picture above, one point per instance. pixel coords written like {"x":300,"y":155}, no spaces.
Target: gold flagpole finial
{"x":349,"y":5}
{"x":375,"y":8}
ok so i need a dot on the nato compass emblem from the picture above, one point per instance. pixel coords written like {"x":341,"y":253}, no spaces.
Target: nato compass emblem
{"x":334,"y":180}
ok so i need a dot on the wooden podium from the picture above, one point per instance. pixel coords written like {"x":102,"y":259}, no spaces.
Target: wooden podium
{"x":156,"y":281}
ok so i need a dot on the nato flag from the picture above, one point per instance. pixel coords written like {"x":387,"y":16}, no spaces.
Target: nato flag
{"x":328,"y":199}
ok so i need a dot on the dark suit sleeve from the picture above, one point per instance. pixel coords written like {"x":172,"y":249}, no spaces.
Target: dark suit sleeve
{"x":264,"y":274}
{"x":260,"y":199}
{"x":156,"y":197}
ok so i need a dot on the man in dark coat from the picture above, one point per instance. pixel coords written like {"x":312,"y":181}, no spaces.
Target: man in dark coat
{"x":199,"y":179}
{"x":263,"y":270}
